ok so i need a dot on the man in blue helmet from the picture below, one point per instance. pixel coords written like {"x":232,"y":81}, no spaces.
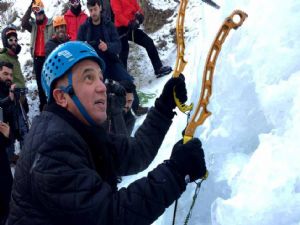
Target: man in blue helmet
{"x":101,"y":33}
{"x":69,"y":167}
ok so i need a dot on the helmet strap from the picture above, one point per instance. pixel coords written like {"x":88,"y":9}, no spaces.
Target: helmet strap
{"x":69,"y":90}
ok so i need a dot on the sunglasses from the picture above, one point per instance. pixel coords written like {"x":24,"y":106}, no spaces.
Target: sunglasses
{"x":10,"y":40}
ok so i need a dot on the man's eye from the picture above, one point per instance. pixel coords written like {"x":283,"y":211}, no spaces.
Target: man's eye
{"x":89,"y":77}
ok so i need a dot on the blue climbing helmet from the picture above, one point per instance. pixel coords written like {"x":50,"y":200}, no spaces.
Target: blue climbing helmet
{"x":62,"y":59}
{"x":60,"y":62}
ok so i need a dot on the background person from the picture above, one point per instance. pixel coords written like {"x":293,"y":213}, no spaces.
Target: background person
{"x":128,"y":18}
{"x":41,"y":31}
{"x":74,"y":17}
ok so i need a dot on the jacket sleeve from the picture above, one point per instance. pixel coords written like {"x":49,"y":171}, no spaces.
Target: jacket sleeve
{"x":140,"y":150}
{"x":49,"y":47}
{"x":130,"y":122}
{"x":81,"y":34}
{"x":114,"y":44}
{"x":119,"y":125}
{"x":25,"y":20}
{"x":73,"y":193}
{"x":5,"y":102}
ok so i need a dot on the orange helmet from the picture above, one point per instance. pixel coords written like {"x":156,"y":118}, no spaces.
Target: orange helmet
{"x":37,"y":6}
{"x":58,"y":21}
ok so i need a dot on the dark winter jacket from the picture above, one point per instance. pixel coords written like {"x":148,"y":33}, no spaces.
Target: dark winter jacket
{"x":52,"y":44}
{"x":9,"y":110}
{"x":5,"y":179}
{"x":109,"y":35}
{"x":129,"y":121}
{"x":64,"y":174}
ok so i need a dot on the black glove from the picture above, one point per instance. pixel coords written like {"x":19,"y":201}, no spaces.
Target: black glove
{"x":139,"y":17}
{"x":116,"y":98}
{"x":188,"y":159}
{"x":166,"y":103}
{"x":116,"y":104}
{"x":116,"y":89}
{"x":133,"y":25}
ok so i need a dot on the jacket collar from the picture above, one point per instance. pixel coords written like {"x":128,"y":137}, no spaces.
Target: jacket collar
{"x":97,"y":139}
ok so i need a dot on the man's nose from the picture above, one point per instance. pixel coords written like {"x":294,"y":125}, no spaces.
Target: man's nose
{"x":101,"y":86}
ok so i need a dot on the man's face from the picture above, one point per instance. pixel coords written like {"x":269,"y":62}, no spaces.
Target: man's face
{"x":90,"y":90}
{"x":39,"y":17}
{"x":60,"y":32}
{"x":95,"y":13}
{"x":6,"y":75}
{"x":129,"y":101}
{"x":74,"y":3}
{"x":12,"y":42}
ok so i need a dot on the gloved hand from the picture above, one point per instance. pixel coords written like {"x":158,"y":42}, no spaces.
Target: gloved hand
{"x":116,"y":104}
{"x":116,"y":89}
{"x":139,"y":17}
{"x":188,"y":159}
{"x":116,"y":98}
{"x":166,"y":103}
{"x":133,"y":25}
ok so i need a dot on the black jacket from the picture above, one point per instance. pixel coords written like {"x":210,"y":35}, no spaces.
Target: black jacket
{"x":66,"y":174}
{"x":10,"y":114}
{"x":52,"y":44}
{"x":5,"y":179}
{"x":109,"y":35}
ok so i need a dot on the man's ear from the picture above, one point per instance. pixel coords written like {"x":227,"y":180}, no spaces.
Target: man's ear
{"x":60,"y":97}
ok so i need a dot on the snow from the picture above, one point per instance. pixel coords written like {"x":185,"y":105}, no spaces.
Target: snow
{"x":251,"y":140}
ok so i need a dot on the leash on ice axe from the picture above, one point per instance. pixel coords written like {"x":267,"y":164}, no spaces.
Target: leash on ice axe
{"x":201,"y":113}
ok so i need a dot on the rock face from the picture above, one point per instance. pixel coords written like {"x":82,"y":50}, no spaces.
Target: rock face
{"x":154,"y":18}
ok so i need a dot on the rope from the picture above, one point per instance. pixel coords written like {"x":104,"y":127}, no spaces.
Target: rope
{"x":174,"y":213}
{"x":189,"y":214}
{"x":145,"y":97}
{"x":197,"y":190}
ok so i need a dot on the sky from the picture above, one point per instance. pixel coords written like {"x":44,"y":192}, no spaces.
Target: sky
{"x":251,"y":140}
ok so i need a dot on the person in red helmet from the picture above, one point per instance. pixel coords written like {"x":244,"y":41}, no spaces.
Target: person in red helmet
{"x":74,"y":17}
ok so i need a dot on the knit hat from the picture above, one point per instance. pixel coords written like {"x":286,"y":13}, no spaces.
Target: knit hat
{"x":8,"y":32}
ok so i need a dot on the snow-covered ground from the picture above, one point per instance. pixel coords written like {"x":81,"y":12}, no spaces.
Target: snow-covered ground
{"x":251,"y":141}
